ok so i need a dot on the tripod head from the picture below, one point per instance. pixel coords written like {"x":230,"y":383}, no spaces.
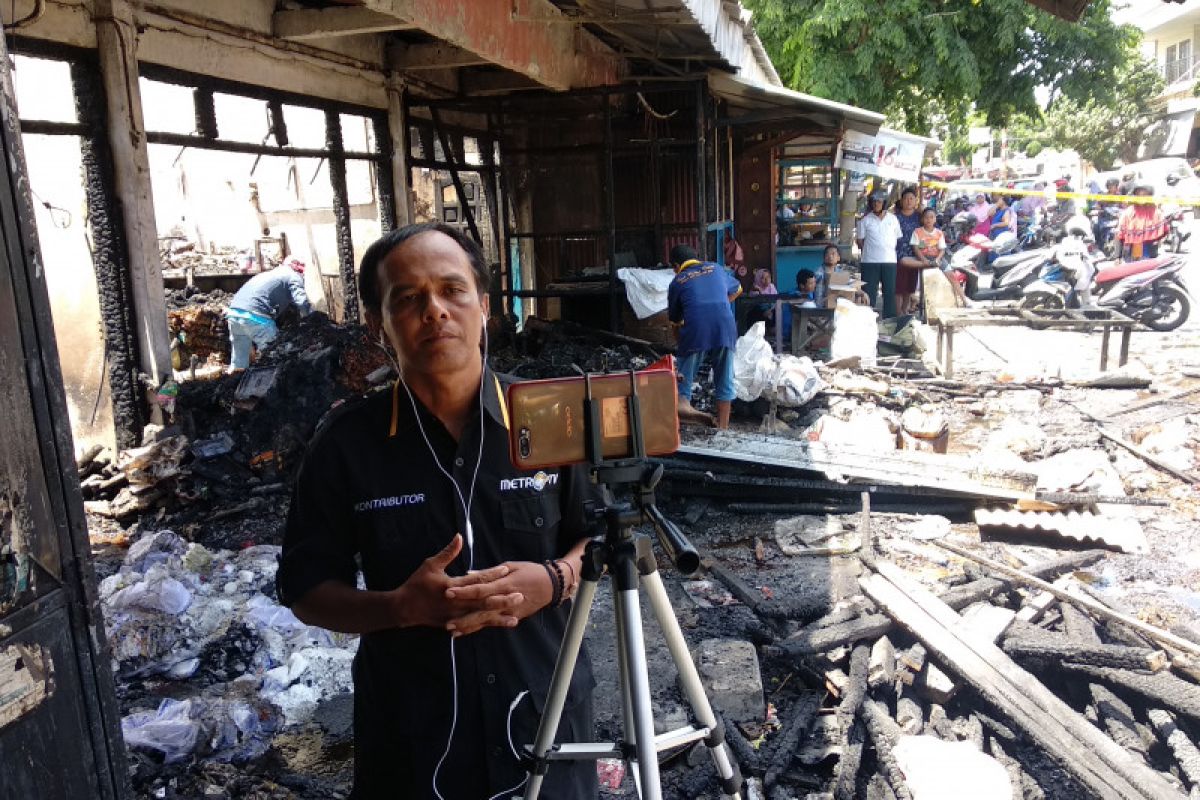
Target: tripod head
{"x":636,"y":472}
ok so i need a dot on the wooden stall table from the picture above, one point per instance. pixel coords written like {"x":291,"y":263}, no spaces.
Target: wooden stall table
{"x":1070,"y":319}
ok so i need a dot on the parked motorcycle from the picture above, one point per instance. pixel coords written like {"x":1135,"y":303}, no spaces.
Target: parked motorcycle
{"x":1104,"y":225}
{"x":1010,"y":283}
{"x":1178,"y":231}
{"x":1149,"y":291}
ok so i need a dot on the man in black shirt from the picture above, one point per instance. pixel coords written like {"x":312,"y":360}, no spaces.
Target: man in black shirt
{"x":458,"y":550}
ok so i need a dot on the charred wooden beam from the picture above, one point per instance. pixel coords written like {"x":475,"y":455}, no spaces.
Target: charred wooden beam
{"x":1041,"y":651}
{"x":1163,"y":690}
{"x":799,"y":720}
{"x":883,"y":733}
{"x":1184,"y":750}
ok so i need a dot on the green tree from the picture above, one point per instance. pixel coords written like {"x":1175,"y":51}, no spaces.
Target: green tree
{"x":918,"y":59}
{"x":1103,"y":132}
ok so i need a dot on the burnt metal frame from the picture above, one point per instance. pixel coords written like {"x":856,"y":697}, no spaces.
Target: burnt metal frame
{"x":110,"y":255}
{"x":334,"y":152}
{"x":705,"y":122}
{"x":55,"y":461}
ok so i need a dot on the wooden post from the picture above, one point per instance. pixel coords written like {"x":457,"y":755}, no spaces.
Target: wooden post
{"x":398,"y":128}
{"x":116,"y":40}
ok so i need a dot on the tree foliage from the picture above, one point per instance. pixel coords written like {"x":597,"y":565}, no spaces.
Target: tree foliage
{"x":1101,"y":132}
{"x":916,"y":59}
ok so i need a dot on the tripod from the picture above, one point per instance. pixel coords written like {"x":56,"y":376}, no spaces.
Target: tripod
{"x":629,"y":561}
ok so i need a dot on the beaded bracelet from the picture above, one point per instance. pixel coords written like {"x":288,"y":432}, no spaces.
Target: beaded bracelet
{"x":574,"y":584}
{"x":561,"y":597}
{"x":556,"y":586}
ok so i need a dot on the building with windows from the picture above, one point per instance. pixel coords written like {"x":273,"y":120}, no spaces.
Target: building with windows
{"x":1170,"y":34}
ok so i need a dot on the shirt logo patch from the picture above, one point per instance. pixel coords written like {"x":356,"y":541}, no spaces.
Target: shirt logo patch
{"x":390,"y":502}
{"x":537,"y":482}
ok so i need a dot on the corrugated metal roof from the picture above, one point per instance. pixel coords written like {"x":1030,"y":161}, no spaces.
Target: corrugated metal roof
{"x":748,"y":95}
{"x":1112,"y":525}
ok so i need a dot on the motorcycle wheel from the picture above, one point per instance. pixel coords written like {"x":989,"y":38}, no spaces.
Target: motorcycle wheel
{"x":1042,"y":300}
{"x":1174,"y":303}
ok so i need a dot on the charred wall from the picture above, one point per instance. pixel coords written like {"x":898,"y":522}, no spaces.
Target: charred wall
{"x":110,"y":257}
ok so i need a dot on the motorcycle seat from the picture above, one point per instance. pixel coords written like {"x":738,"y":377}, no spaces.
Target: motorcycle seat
{"x":1120,"y":270}
{"x":1016,"y":258}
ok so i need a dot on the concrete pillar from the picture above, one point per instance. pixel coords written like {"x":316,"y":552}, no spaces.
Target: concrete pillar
{"x":398,"y":127}
{"x":116,"y":39}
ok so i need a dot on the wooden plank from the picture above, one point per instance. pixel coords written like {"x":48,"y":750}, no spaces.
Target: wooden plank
{"x":1148,"y":458}
{"x":1100,"y":764}
{"x":1154,"y":401}
{"x":1096,"y":608}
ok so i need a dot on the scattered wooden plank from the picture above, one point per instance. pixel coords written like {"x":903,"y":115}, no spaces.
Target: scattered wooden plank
{"x":1096,"y":608}
{"x":1163,"y":689}
{"x":1100,"y":764}
{"x":910,"y":716}
{"x":1181,"y":746}
{"x":882,"y":668}
{"x":1148,"y":457}
{"x":883,"y":733}
{"x":1153,"y":401}
{"x":1035,"y":607}
{"x":815,"y":639}
{"x":1097,"y":655}
{"x":983,"y":622}
{"x":799,"y":719}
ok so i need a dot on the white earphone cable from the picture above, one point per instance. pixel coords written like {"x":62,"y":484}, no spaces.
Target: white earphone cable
{"x":466,"y":503}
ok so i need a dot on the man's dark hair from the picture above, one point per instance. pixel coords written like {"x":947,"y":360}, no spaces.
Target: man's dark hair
{"x":681,"y":253}
{"x":834,"y":247}
{"x":802,"y":277}
{"x":368,"y":271}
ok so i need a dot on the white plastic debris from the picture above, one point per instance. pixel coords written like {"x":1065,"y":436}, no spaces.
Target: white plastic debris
{"x":759,"y":372}
{"x":646,"y":289}
{"x":158,"y":591}
{"x":938,"y":770}
{"x":855,"y":333}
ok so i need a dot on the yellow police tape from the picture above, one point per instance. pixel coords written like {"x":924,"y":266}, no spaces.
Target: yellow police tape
{"x":1103,"y":198}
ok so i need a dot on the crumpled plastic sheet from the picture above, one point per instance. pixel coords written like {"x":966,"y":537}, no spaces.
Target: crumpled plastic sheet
{"x":759,"y":372}
{"x":234,"y":730}
{"x":646,"y":289}
{"x":172,"y":599}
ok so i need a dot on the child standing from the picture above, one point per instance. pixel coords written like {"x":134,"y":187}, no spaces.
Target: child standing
{"x":929,"y":245}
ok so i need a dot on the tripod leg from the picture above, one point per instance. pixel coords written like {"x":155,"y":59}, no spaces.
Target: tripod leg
{"x":556,"y":697}
{"x":727,"y":771}
{"x":638,"y":689}
{"x":623,"y":674}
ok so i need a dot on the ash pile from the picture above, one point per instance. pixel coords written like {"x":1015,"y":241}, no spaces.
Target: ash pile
{"x":219,"y":473}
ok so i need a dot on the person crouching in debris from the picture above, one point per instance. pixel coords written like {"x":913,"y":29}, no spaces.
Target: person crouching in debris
{"x":467,"y":563}
{"x":699,"y":305}
{"x":252,"y":313}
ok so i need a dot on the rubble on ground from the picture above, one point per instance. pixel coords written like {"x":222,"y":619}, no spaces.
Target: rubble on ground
{"x":882,"y":649}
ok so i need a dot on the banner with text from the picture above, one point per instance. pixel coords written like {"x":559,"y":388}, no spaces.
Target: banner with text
{"x":882,"y":154}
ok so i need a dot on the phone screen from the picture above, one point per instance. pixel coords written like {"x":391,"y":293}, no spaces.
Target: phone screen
{"x":547,"y":418}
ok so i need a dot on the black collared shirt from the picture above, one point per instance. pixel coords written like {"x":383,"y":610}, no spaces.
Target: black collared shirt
{"x":370,"y":495}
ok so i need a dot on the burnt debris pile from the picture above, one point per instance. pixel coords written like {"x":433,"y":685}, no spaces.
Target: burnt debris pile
{"x":219,"y":472}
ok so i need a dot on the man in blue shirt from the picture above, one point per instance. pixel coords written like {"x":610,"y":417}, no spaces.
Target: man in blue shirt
{"x":698,"y":304}
{"x":252,"y":313}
